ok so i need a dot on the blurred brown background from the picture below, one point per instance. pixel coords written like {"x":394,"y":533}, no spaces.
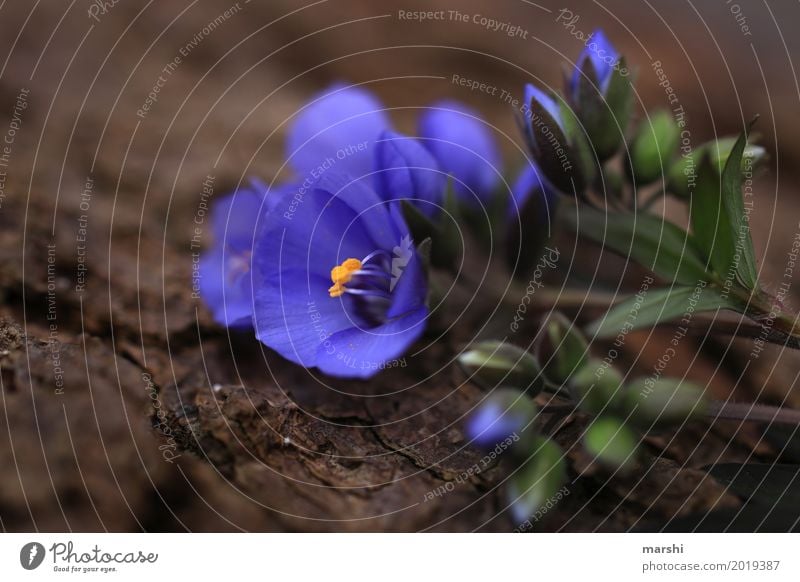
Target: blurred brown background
{"x":89,"y":458}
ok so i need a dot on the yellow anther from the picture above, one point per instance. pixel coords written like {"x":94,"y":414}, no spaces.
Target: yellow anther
{"x":342,"y":274}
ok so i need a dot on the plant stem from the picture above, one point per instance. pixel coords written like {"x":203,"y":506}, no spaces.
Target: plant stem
{"x":753,"y":412}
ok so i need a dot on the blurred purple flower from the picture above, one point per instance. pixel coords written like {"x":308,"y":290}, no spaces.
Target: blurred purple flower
{"x":464,"y":147}
{"x":406,"y":169}
{"x":603,"y":57}
{"x":225,"y":268}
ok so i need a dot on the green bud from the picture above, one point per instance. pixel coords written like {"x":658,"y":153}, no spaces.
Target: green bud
{"x":605,"y":117}
{"x":664,"y":401}
{"x":653,"y":147}
{"x":537,"y":481}
{"x":583,"y":154}
{"x":556,"y":141}
{"x":612,"y":442}
{"x":683,"y":172}
{"x":596,"y":388}
{"x":721,"y":150}
{"x":496,"y":363}
{"x":562,"y":349}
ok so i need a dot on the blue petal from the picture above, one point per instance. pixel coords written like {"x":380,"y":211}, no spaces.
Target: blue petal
{"x":464,"y":147}
{"x":273,"y":195}
{"x":547,"y":102}
{"x":337,"y":129}
{"x":375,"y":216}
{"x":317,"y":229}
{"x":362,"y":353}
{"x":409,"y":293}
{"x":225,"y":286}
{"x":234,"y":218}
{"x":492,"y":423}
{"x":604,"y":58}
{"x":225,"y":268}
{"x":294,"y":315}
{"x":406,"y":169}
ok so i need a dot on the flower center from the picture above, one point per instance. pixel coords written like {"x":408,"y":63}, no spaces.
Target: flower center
{"x":238,"y":264}
{"x":342,"y":274}
{"x":369,"y":284}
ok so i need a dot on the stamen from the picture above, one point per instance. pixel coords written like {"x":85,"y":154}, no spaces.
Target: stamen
{"x":342,"y":274}
{"x":374,"y":254}
{"x":376,"y":271}
{"x":368,"y":293}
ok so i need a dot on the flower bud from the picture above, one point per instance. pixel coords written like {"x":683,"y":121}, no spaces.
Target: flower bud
{"x":537,"y":481}
{"x":602,"y":95}
{"x":406,"y":169}
{"x":496,"y":363}
{"x":653,"y":148}
{"x":684,"y":171}
{"x":611,"y":442}
{"x":596,"y":388}
{"x":506,"y":413}
{"x":556,"y":141}
{"x":664,"y":401}
{"x":562,"y":349}
{"x":530,"y":220}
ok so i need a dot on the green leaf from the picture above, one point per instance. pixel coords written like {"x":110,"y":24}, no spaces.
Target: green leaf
{"x":762,"y":483}
{"x":611,"y":442}
{"x":734,"y":205}
{"x":664,"y":248}
{"x":718,"y":218}
{"x":655,"y":306}
{"x":710,"y":223}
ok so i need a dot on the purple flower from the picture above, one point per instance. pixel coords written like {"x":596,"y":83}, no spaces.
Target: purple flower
{"x":338,"y":283}
{"x":346,"y":130}
{"x":464,"y":147}
{"x":225,"y":268}
{"x":337,"y":129}
{"x":505,"y":413}
{"x":406,"y":169}
{"x":603,"y":57}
